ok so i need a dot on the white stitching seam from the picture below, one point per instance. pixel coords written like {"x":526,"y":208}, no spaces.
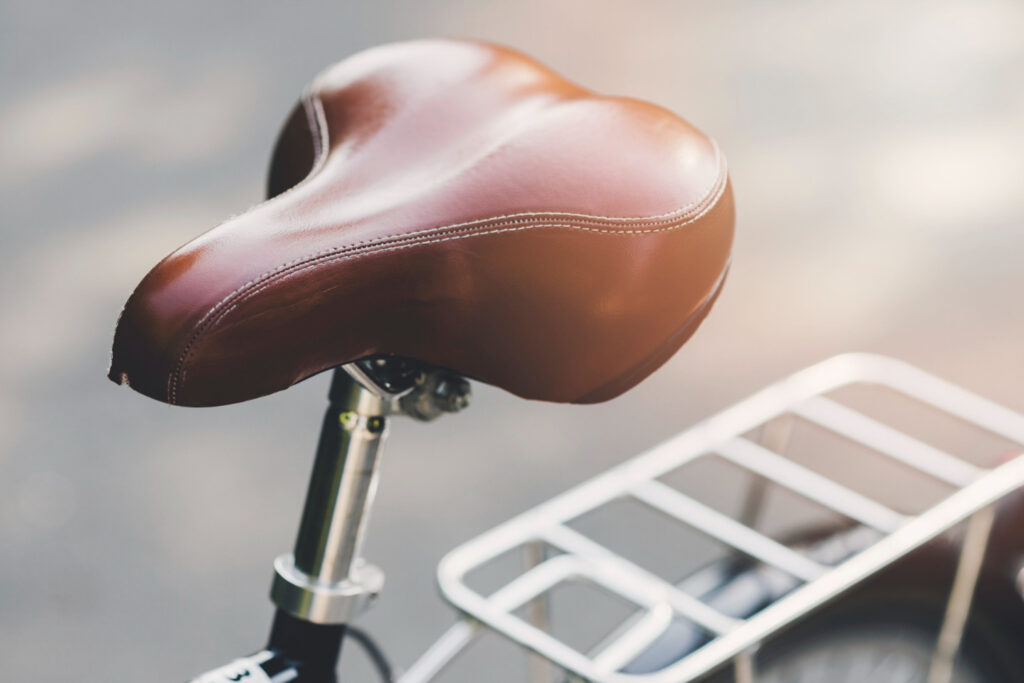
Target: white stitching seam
{"x":504,"y":219}
{"x":178,"y":376}
{"x":316,"y":119}
{"x":511,"y":218}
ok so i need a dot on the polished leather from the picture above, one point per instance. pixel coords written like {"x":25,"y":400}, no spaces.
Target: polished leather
{"x":459,"y":204}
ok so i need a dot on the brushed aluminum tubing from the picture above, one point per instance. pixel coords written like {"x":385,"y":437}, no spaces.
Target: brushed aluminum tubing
{"x":442,"y":652}
{"x":739,"y":536}
{"x":334,"y":521}
{"x":324,"y":580}
{"x":538,"y":613}
{"x":887,"y":441}
{"x":958,"y":608}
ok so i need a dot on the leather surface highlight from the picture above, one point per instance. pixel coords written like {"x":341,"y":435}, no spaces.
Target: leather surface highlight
{"x":457,"y":203}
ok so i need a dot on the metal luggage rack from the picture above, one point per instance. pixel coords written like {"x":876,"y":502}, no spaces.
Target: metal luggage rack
{"x":659,"y":602}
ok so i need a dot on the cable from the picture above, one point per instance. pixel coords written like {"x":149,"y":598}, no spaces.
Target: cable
{"x":373,"y":651}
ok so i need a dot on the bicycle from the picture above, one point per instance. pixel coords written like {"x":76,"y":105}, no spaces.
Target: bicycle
{"x":461,"y":205}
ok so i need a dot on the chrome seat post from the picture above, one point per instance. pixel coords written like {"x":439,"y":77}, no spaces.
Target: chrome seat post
{"x":324,"y":583}
{"x":325,"y":580}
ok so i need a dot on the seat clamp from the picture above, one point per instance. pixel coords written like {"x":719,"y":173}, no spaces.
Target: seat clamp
{"x":305,"y":597}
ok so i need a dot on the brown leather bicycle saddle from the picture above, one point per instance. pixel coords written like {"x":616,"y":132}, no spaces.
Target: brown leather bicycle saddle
{"x":455,"y":203}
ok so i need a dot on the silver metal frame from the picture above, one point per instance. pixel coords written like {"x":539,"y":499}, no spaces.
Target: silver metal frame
{"x":659,"y":601}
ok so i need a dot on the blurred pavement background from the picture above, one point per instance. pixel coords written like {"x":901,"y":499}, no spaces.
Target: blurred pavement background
{"x":877,"y":151}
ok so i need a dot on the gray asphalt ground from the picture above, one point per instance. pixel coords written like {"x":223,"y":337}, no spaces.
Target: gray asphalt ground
{"x":876,"y":150}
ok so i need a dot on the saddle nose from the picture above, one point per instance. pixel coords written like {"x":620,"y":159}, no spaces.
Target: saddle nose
{"x":455,"y":203}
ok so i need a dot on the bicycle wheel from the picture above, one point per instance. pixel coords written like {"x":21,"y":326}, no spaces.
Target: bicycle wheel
{"x":885,"y":639}
{"x":883,"y":632}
